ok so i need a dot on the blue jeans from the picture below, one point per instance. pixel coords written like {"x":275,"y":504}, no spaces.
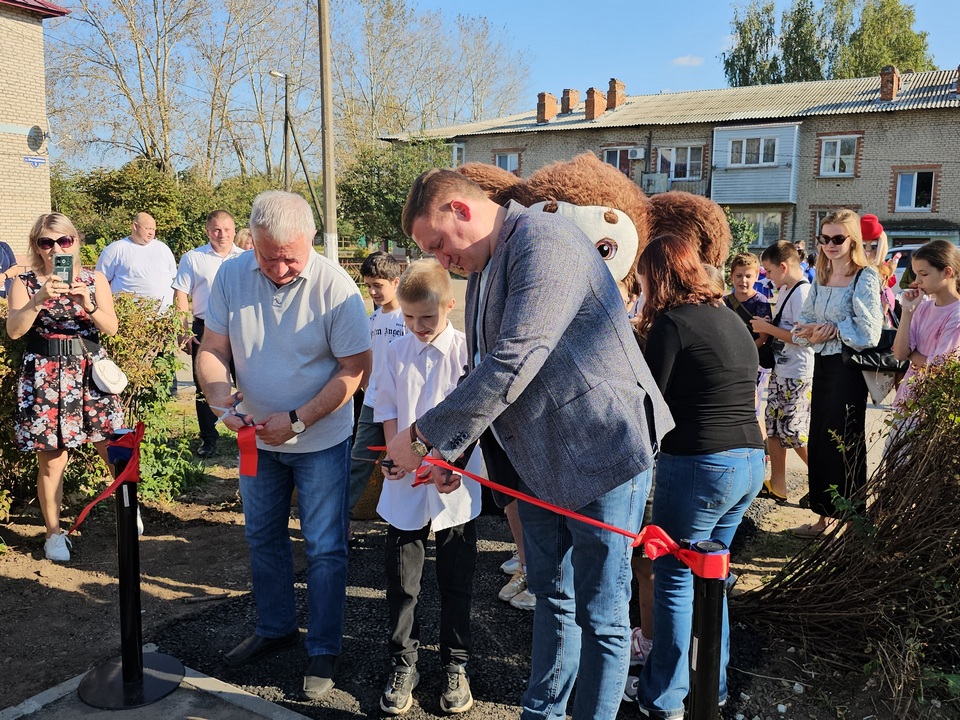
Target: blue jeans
{"x":581,"y":627}
{"x":698,"y":497}
{"x":321,"y":479}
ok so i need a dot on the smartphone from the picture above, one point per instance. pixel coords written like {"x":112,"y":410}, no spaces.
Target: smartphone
{"x":63,"y":267}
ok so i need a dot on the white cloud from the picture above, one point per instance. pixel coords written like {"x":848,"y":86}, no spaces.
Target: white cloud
{"x":688,"y":61}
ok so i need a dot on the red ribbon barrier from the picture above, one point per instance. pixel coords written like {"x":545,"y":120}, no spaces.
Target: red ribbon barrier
{"x":131,"y":473}
{"x":656,"y":543}
{"x":247,"y":442}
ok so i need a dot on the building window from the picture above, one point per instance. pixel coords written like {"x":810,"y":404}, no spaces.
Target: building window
{"x":765,"y":224}
{"x":619,"y":158}
{"x":682,"y":162}
{"x":838,"y":156}
{"x":458,"y":154}
{"x":753,"y":151}
{"x":914,"y":191}
{"x":509,"y":161}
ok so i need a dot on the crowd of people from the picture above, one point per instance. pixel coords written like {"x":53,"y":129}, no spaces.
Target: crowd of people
{"x":552,"y":390}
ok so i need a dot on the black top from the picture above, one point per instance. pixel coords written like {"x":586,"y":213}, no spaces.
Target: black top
{"x":705,"y":363}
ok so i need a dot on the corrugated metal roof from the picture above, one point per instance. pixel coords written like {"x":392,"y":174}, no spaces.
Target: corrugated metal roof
{"x":918,"y":91}
{"x":40,"y":7}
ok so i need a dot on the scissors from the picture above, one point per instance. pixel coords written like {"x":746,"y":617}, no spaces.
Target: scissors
{"x":421,"y":478}
{"x":232,"y":410}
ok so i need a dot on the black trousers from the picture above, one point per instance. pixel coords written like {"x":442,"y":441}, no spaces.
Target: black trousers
{"x":456,"y":562}
{"x":837,"y":444}
{"x":206,"y":418}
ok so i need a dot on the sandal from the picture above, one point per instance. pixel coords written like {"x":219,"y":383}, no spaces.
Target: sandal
{"x":767,"y":493}
{"x":807,"y":531}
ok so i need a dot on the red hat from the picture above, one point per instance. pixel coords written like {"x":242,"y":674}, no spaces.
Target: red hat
{"x":870,"y":227}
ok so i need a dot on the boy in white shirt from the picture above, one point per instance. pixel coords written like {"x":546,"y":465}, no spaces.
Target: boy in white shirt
{"x":380,"y":272}
{"x":421,"y":369}
{"x":791,"y":380}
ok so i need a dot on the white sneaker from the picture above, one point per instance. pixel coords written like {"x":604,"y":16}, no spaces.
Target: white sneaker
{"x":56,"y":548}
{"x":517,"y":584}
{"x":524,"y":600}
{"x":630,"y":689}
{"x":511,"y":566}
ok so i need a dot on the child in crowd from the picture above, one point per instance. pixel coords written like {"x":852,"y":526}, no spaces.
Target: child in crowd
{"x":421,"y":369}
{"x":745,"y":301}
{"x":381,"y":275}
{"x":929,"y":329}
{"x":788,"y":391}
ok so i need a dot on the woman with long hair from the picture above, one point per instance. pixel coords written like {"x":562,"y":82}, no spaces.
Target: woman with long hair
{"x":710,"y":466}
{"x":843,"y":308}
{"x":58,"y":406}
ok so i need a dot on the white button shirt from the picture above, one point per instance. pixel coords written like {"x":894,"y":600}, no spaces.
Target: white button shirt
{"x":414,"y":379}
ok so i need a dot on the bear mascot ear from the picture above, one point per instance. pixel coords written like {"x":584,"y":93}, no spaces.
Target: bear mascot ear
{"x":699,"y":219}
{"x":608,"y":206}
{"x":501,"y":186}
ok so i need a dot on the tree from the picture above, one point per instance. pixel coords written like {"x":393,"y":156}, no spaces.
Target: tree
{"x":754,"y":59}
{"x":373,"y":189}
{"x":801,"y":43}
{"x":885,"y":36}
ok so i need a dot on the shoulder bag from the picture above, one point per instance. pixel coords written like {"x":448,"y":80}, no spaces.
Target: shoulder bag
{"x":880,"y":357}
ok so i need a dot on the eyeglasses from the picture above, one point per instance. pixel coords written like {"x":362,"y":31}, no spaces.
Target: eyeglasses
{"x":46,"y":243}
{"x":835,"y":239}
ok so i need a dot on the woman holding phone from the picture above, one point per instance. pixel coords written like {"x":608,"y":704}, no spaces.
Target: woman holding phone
{"x":62,"y":309}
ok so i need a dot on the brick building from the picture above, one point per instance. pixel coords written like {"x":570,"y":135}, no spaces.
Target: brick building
{"x":24,"y":161}
{"x":780,"y":156}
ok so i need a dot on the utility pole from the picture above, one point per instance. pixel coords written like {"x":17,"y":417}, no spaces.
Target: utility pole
{"x":330,"y":239}
{"x":287,"y":176}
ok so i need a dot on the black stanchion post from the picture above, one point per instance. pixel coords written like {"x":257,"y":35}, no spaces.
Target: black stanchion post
{"x":132,"y":679}
{"x":708,"y":593}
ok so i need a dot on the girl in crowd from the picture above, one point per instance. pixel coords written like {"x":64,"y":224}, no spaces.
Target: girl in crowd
{"x":58,"y":406}
{"x":843,"y":308}
{"x":710,"y":466}
{"x":929,"y":329}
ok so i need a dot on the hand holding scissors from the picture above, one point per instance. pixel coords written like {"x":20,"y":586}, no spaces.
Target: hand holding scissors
{"x":230,"y":413}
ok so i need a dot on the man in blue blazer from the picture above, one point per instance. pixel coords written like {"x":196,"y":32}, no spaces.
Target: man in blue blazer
{"x":557,"y":376}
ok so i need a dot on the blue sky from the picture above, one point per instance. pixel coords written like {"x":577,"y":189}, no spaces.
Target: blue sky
{"x":667,"y":45}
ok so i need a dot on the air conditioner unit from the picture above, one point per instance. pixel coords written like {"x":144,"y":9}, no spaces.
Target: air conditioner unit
{"x":637,"y":153}
{"x":654,"y":182}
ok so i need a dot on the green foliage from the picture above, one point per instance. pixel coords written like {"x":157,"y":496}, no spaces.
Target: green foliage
{"x":145,"y":348}
{"x":841,"y":39}
{"x":742,"y":233}
{"x":373,"y":189}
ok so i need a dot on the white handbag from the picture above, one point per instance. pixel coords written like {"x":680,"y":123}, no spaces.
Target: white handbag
{"x":107,"y":376}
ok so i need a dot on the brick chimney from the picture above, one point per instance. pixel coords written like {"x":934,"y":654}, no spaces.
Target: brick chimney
{"x":616,"y":94}
{"x":569,"y":101}
{"x":596,"y":103}
{"x":546,"y":107}
{"x":889,"y":83}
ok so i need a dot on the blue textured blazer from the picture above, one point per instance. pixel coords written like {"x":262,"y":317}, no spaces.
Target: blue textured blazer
{"x":561,"y":378}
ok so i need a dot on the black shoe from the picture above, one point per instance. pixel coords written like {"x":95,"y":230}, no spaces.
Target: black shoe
{"x":208,"y":448}
{"x":456,"y":696}
{"x":256,"y":646}
{"x":318,"y":680}
{"x":397,"y":696}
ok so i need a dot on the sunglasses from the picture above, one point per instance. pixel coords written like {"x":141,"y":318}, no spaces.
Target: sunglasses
{"x":46,"y":243}
{"x":835,"y":239}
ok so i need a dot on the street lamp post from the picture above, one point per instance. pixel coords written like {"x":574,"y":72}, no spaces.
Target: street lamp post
{"x":287,"y":176}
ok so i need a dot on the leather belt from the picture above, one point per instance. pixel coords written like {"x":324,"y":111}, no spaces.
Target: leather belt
{"x":51,"y":347}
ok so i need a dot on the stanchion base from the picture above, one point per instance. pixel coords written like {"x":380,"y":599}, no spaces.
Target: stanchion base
{"x":103,"y":686}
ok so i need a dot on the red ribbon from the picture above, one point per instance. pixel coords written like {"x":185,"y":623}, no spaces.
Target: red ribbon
{"x":247,"y":442}
{"x":131,"y":472}
{"x":656,"y":543}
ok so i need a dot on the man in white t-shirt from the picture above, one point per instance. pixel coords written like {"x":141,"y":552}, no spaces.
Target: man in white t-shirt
{"x":140,"y":264}
{"x":791,"y":381}
{"x":191,"y":290}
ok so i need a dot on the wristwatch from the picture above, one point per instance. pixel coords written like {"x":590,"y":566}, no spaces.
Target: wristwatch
{"x":296,"y":424}
{"x":418,"y":446}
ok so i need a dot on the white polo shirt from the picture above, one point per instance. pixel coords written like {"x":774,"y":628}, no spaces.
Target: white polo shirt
{"x":145,"y":270}
{"x":385,"y":327}
{"x":196,"y":272}
{"x":286,"y":340}
{"x":415,"y":378}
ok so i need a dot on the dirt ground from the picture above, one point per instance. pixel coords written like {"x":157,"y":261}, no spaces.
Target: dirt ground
{"x":59,"y":620}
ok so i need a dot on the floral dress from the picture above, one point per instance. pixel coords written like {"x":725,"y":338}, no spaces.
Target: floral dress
{"x":58,"y":406}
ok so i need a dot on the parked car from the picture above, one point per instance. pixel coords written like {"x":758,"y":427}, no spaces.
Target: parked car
{"x":903,"y":264}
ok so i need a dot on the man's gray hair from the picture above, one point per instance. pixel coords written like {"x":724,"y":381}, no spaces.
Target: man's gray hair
{"x":285,"y":217}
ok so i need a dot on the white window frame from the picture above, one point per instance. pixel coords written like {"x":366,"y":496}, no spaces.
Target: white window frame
{"x":762,"y":139}
{"x":458,"y":154}
{"x":760,"y":217}
{"x":913,"y":208}
{"x":508,"y":156}
{"x":673,"y":161}
{"x":624,"y":149}
{"x":836,"y":156}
